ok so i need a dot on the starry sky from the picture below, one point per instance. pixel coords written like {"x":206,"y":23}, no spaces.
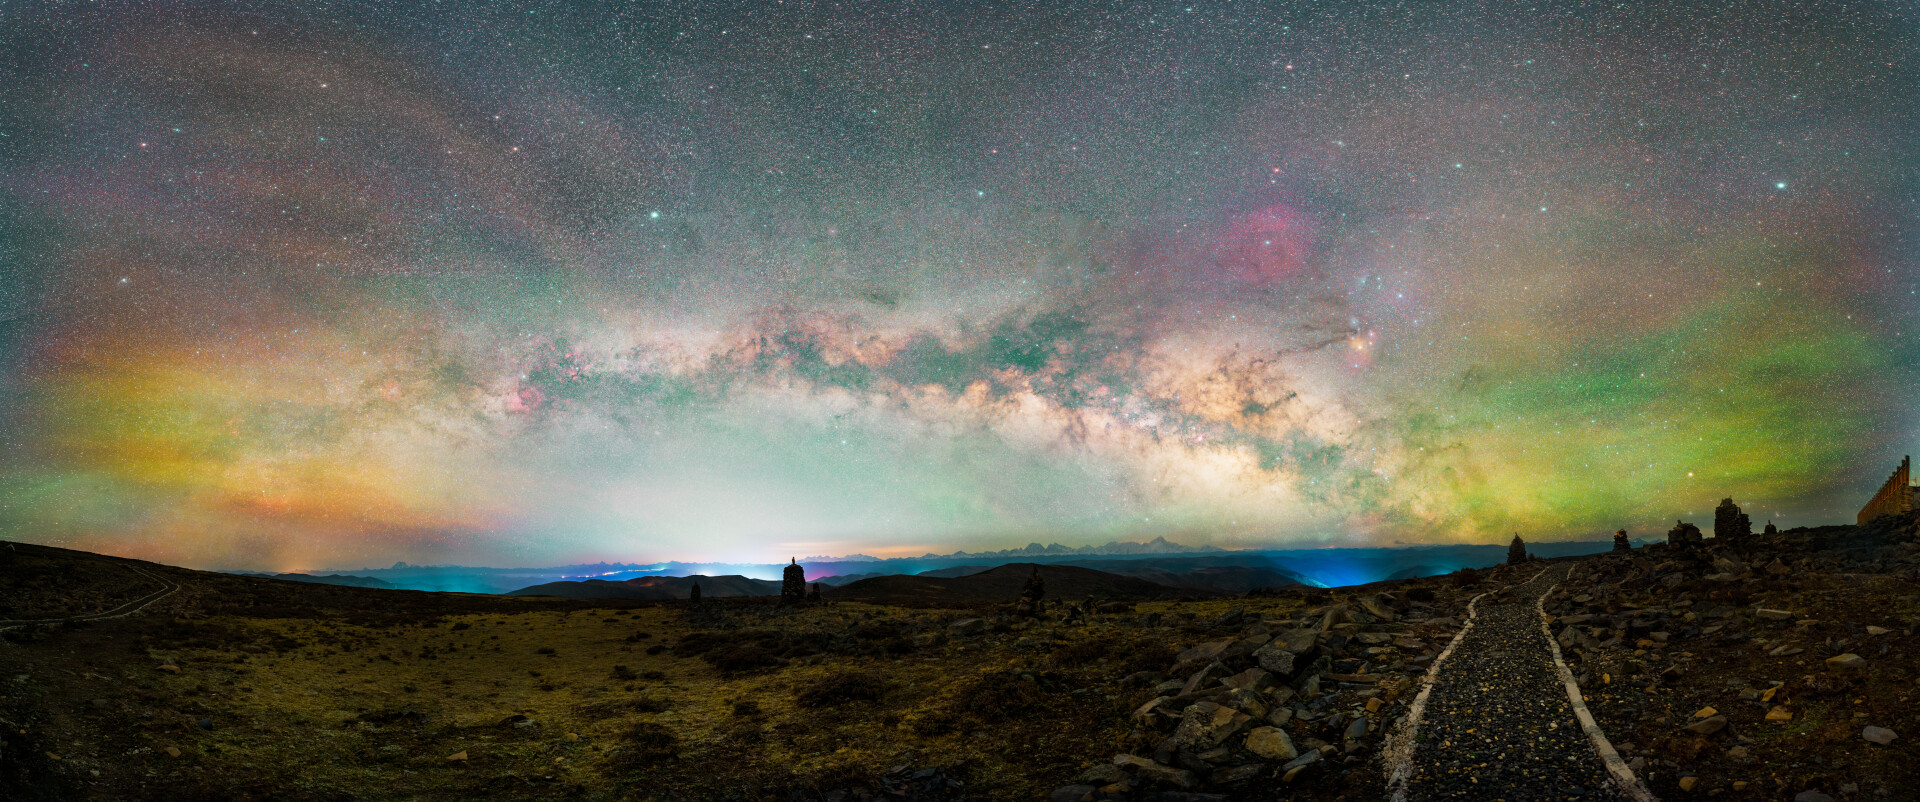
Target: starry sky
{"x":287,"y":285}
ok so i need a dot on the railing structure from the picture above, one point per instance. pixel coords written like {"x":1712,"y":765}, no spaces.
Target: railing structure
{"x":1896,"y":496}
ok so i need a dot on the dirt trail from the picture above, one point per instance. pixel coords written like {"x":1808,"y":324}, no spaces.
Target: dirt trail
{"x":167,"y":588}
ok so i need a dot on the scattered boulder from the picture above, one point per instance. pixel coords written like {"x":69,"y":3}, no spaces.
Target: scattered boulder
{"x":1252,"y":679}
{"x":1203,"y":653}
{"x":1271,"y":743}
{"x":1879,"y":735}
{"x":1073,"y":793}
{"x":1247,"y":702}
{"x":1205,"y":725}
{"x":1848,"y":661}
{"x":1205,"y":677}
{"x":1231,"y":618}
{"x":1708,"y":726}
{"x":1148,"y":711}
{"x":1275,"y":659}
{"x":1334,"y":616}
{"x":1155,"y":773}
{"x":1298,"y":641}
{"x":1377,"y":608}
{"x":1305,"y":759}
{"x":968,"y":626}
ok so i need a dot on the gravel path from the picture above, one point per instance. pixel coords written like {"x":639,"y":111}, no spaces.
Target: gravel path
{"x":1497,"y":724}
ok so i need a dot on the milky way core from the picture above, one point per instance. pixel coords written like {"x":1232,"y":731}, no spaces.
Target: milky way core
{"x":290,"y":284}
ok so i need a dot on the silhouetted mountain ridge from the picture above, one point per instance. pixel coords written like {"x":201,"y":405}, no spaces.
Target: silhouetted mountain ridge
{"x":1004,"y":584}
{"x":345,"y":580}
{"x":655,"y":587}
{"x":1158,"y":545}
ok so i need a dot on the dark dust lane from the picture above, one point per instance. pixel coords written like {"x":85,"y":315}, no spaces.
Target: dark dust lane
{"x":1498,"y":725}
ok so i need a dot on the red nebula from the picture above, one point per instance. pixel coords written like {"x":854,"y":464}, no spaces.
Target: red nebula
{"x":527,"y":399}
{"x":1264,"y":246}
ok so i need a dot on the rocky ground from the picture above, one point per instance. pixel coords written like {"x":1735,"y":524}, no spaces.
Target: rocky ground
{"x":241,"y":687}
{"x":1769,"y":667}
{"x":1758,"y":670}
{"x":1284,"y":706}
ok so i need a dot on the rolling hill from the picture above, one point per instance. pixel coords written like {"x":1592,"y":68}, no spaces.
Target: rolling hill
{"x":655,"y":587}
{"x":1003,"y":584}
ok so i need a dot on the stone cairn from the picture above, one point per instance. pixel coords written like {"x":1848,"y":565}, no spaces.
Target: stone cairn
{"x":793,"y":585}
{"x":1517,"y":550}
{"x":693,"y":595}
{"x":1683,"y":535}
{"x":1032,"y":597}
{"x":813,"y":596}
{"x":1729,"y":522}
{"x":1771,"y":529}
{"x":1620,"y":543}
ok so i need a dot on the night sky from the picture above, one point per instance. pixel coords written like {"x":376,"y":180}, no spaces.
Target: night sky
{"x":290,"y":285}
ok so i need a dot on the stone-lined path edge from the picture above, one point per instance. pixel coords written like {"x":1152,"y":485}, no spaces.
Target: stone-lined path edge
{"x":1398,"y":751}
{"x":1399,"y":747}
{"x":1622,"y":774}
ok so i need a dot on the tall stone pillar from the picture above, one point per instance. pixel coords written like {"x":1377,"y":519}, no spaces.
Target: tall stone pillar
{"x":1729,"y":523}
{"x":793,"y":585}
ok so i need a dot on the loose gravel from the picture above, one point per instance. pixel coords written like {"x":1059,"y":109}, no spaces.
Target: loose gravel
{"x":1498,"y":725}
